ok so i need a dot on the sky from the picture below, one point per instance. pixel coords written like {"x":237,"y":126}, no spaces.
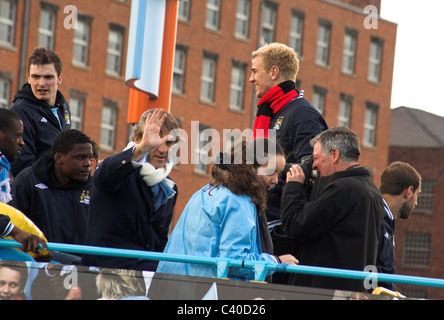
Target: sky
{"x":418,"y":78}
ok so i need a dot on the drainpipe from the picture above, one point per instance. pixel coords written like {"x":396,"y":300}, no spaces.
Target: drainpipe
{"x":258,"y":43}
{"x":24,"y":46}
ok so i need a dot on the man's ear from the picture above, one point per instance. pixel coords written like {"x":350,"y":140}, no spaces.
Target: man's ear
{"x":408,"y":192}
{"x":335,"y":153}
{"x":274,"y":73}
{"x":58,"y":158}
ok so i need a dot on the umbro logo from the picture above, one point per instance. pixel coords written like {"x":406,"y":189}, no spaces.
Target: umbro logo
{"x":41,"y":186}
{"x":43,"y":120}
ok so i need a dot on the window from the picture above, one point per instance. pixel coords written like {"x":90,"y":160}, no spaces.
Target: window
{"x":344,"y":110}
{"x":237,"y":85}
{"x":319,"y":98}
{"x":213,"y":13}
{"x":108,"y":126}
{"x":184,"y":10}
{"x":323,"y":43}
{"x":179,"y":69}
{"x":349,"y":53}
{"x":81,"y":42}
{"x":7,"y":21}
{"x":76,"y":105}
{"x":371,"y":115}
{"x":242,"y":19}
{"x":202,"y":148}
{"x":47,"y":25}
{"x":425,"y":199}
{"x":208,"y":77}
{"x":297,"y":25}
{"x":374,"y":66}
{"x":416,"y":249}
{"x":114,"y":51}
{"x":268,"y":22}
{"x":4,"y":93}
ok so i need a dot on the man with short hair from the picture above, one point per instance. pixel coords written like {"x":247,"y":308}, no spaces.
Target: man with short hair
{"x":294,"y":121}
{"x":133,"y":198}
{"x":11,"y":141}
{"x":400,"y":188}
{"x":339,"y":226}
{"x":41,"y":106}
{"x":54,"y":192}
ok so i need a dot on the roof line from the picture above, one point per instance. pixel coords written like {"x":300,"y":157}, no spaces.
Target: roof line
{"x":425,"y":128}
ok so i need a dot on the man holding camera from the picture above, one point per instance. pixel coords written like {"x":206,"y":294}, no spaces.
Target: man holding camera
{"x":338,"y":227}
{"x":293,"y":120}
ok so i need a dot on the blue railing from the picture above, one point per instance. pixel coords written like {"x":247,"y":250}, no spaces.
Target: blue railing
{"x":223,"y":264}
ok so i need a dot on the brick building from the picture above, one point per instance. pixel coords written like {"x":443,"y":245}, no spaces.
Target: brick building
{"x":346,"y":66}
{"x":418,"y":139}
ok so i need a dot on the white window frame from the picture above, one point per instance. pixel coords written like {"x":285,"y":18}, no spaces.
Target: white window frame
{"x":370,"y":122}
{"x":7,"y":21}
{"x":208,"y":79}
{"x":180,"y":56}
{"x":46,"y":31}
{"x":212,"y":20}
{"x":344,"y":116}
{"x":349,"y":53}
{"x":237,"y":87}
{"x":77,"y":106}
{"x":114,"y":52}
{"x":183,"y":13}
{"x":108,"y":127}
{"x":81,"y":43}
{"x":323,"y":44}
{"x":242,"y":28}
{"x":319,"y":97}
{"x":268,"y":23}
{"x":5,"y":89}
{"x":296,"y":31}
{"x":201,"y":154}
{"x":375,"y":60}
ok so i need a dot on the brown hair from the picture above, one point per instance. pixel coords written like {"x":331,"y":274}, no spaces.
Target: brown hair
{"x":241,"y":178}
{"x":169,"y":125}
{"x":397,"y":177}
{"x":41,"y":56}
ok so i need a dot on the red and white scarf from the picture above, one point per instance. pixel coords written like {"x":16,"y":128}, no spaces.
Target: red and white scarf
{"x":270,"y":104}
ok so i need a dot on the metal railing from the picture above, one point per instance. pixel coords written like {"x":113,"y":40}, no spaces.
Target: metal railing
{"x":259,"y":268}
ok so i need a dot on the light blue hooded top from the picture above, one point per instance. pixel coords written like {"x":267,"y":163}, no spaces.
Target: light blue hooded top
{"x":216,"y":223}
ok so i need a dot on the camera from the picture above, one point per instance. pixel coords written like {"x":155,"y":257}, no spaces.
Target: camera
{"x":306,"y":165}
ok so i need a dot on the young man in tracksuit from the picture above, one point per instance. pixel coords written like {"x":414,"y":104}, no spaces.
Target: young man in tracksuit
{"x":41,"y":106}
{"x":54,"y":192}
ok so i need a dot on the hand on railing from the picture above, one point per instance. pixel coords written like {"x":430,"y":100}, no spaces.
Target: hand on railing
{"x":288,"y":259}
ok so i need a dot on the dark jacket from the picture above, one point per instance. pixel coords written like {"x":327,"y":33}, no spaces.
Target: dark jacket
{"x":386,"y":250}
{"x":40,"y":125}
{"x":338,"y":228}
{"x":122,"y":214}
{"x":295,"y":125}
{"x":59,"y":211}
